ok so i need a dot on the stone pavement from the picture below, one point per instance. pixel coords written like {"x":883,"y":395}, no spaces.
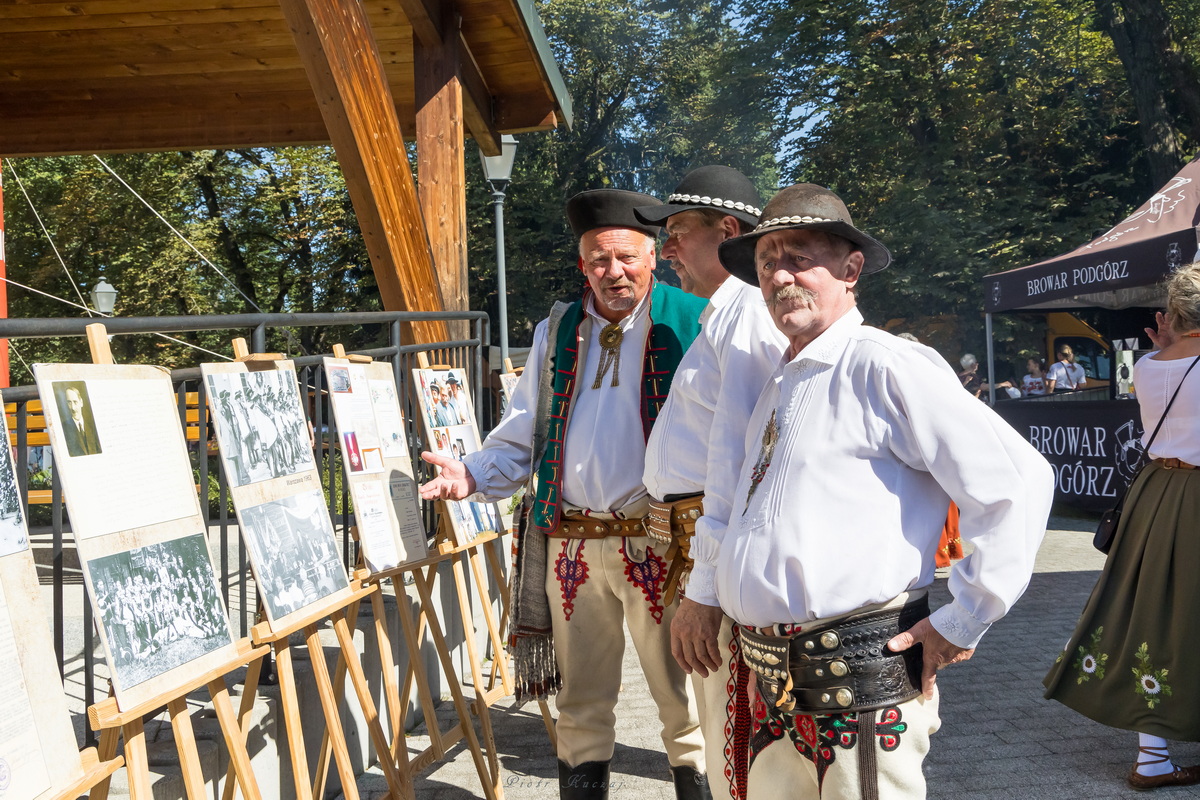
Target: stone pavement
{"x":999,"y":738}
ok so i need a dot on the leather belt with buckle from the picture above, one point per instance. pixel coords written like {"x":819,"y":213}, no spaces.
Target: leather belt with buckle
{"x":673,"y":523}
{"x":838,"y":668}
{"x":583,"y":527}
{"x":1174,"y":463}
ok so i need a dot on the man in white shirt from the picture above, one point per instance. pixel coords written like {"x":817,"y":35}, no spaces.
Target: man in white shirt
{"x":854,"y":451}
{"x":726,"y":366}
{"x":596,"y":380}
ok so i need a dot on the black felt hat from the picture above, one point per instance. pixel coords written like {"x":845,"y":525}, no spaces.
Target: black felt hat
{"x":609,"y":208}
{"x":714,"y":187}
{"x":804,"y":206}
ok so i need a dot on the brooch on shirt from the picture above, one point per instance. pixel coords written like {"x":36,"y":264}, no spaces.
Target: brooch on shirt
{"x":769,"y":438}
{"x":610,"y":354}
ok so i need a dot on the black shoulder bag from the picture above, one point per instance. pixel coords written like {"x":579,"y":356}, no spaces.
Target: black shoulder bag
{"x":1107,"y":529}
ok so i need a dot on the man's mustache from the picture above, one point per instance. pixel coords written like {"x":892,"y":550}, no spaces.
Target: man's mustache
{"x":791,"y":293}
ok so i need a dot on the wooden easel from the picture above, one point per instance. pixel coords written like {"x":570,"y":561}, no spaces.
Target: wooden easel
{"x":113,"y":723}
{"x":278,"y":639}
{"x":94,"y":771}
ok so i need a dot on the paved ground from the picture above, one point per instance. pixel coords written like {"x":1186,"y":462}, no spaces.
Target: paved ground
{"x":999,"y":738}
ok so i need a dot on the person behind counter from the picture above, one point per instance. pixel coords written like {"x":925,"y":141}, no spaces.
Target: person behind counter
{"x":1065,"y":375}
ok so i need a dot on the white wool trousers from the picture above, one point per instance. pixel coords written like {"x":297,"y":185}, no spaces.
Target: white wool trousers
{"x":597,"y":586}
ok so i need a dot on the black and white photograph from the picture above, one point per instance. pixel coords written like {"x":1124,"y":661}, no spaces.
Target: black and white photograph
{"x":159,"y":607}
{"x":260,"y":425}
{"x":339,"y":379}
{"x":294,"y":552}
{"x":13,"y":538}
{"x":78,"y":423}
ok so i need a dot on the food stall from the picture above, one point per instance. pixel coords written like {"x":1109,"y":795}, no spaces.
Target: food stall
{"x":1093,"y":438}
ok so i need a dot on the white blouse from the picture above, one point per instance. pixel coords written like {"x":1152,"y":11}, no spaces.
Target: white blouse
{"x":1155,"y":382}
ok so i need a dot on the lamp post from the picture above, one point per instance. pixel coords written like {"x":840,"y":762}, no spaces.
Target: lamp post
{"x":498,"y":172}
{"x":104,"y":296}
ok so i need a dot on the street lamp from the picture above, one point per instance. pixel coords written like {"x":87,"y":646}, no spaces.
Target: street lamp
{"x":104,"y":296}
{"x":498,"y":172}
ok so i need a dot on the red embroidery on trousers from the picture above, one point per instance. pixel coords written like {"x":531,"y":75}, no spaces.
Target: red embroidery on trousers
{"x":648,"y":575}
{"x":571,"y":573}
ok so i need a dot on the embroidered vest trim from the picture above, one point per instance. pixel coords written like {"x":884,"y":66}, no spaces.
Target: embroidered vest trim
{"x":674,"y":323}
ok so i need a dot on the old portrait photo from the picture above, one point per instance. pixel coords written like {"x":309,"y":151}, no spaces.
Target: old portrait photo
{"x":159,"y":607}
{"x":294,"y":552}
{"x":260,"y":425}
{"x":75,"y":411}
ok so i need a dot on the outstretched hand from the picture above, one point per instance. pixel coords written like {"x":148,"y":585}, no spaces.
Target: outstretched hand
{"x":938,"y":651}
{"x":694,"y":633}
{"x":1163,"y":336}
{"x":454,"y":480}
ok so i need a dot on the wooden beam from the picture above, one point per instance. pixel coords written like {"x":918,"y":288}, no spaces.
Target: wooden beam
{"x":428,"y":20}
{"x":340,"y":55}
{"x":441,"y":171}
{"x":478,"y":104}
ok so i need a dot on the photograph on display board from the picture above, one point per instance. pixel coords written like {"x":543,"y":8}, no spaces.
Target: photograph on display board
{"x":455,"y":441}
{"x":79,"y":423}
{"x":445,"y":400}
{"x":293,"y":552}
{"x":159,"y":606}
{"x":261,"y":425}
{"x":131,"y":468}
{"x":13,"y":538}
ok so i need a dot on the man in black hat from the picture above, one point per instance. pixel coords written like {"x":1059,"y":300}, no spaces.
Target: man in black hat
{"x":854,"y":451}
{"x":598,"y":375}
{"x":726,"y":367}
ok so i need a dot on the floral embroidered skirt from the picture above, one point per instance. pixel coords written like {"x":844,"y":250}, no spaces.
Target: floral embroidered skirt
{"x":1133,"y":661}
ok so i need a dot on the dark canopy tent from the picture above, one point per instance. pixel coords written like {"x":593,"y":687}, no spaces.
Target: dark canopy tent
{"x":1119,"y":269}
{"x":1086,"y":439}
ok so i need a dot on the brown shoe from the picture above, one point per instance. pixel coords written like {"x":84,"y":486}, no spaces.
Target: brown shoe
{"x":1182,"y":776}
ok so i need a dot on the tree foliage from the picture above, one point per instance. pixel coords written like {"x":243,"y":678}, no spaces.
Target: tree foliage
{"x":971,"y":136}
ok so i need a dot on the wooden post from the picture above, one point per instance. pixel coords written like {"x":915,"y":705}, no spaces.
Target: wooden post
{"x":97,"y":338}
{"x":360,"y":115}
{"x":441,"y":172}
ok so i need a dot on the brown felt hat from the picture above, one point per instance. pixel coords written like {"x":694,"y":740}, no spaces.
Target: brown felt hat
{"x":804,"y":206}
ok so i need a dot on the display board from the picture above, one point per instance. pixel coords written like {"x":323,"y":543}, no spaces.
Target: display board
{"x":377,"y":463}
{"x":37,"y":743}
{"x":135,"y":515}
{"x":266,"y":453}
{"x":451,"y":430}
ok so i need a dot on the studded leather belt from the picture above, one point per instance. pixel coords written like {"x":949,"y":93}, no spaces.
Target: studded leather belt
{"x":673,"y":523}
{"x":578,"y":526}
{"x":838,"y":668}
{"x":1175,"y":463}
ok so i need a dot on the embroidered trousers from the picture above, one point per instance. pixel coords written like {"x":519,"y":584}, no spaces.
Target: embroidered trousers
{"x":594,"y":586}
{"x":716,"y":697}
{"x":809,"y":757}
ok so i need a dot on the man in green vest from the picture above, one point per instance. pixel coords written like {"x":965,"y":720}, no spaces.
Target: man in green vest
{"x":597,"y":376}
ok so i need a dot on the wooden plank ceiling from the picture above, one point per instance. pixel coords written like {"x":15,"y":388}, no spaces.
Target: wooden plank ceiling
{"x":120,"y":75}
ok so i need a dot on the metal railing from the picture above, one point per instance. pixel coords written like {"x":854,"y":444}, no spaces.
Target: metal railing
{"x":59,"y":567}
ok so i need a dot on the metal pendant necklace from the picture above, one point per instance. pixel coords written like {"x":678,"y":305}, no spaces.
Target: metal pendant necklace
{"x":610,"y":354}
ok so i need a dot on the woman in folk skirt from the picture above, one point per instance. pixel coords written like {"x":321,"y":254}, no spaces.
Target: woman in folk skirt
{"x":1133,"y":661}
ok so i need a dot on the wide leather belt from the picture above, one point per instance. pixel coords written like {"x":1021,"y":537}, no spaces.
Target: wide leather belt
{"x":1175,"y":463}
{"x":838,"y":668}
{"x":673,"y":523}
{"x":578,"y":526}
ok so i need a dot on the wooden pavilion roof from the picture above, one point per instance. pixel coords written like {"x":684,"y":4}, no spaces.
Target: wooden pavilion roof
{"x":119,"y":75}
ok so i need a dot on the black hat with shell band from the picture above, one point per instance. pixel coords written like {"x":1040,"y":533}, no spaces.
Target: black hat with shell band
{"x":804,"y":206}
{"x":609,"y":208}
{"x":713,"y":187}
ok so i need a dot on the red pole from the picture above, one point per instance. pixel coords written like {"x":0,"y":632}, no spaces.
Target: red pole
{"x":4,"y":375}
